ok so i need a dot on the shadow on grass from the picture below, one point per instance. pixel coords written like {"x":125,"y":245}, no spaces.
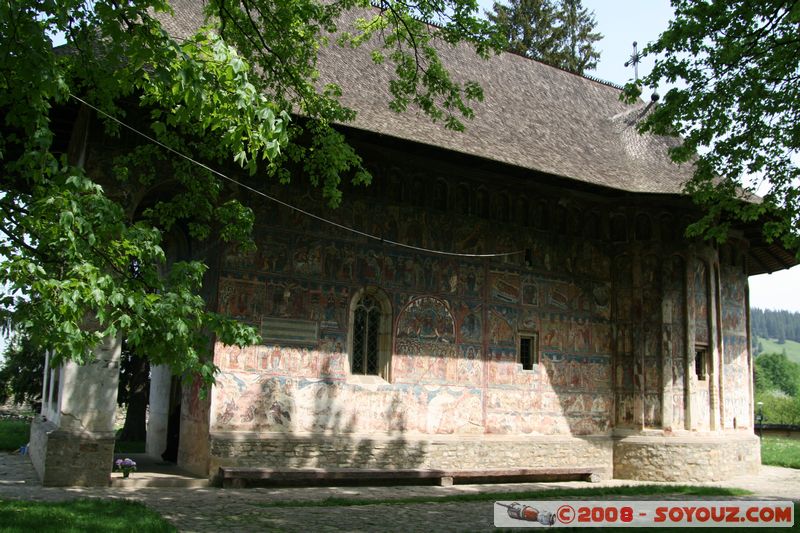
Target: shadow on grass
{"x":599,"y":492}
{"x":93,"y":515}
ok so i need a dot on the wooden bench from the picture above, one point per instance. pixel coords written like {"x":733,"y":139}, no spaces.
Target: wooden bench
{"x":242,"y":476}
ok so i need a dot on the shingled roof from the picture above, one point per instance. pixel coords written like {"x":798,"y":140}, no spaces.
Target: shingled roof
{"x":533,"y":116}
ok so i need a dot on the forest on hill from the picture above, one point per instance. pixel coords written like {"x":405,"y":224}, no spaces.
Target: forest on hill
{"x":776,"y":339}
{"x":779,"y":325}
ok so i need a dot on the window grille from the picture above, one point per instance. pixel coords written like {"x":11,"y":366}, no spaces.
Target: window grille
{"x":366,"y":326}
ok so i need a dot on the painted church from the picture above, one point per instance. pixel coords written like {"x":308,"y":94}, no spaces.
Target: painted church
{"x":519,"y":295}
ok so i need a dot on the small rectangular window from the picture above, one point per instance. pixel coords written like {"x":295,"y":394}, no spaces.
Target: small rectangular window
{"x":701,"y":362}
{"x":528,"y":350}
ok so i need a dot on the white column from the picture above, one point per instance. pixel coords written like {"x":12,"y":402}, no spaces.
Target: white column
{"x":88,"y":397}
{"x":46,"y":383}
{"x":160,"y":380}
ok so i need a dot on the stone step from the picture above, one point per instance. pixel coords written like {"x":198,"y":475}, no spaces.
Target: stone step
{"x":145,"y":480}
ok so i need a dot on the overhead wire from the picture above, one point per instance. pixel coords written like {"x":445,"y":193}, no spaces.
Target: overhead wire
{"x":285,"y":204}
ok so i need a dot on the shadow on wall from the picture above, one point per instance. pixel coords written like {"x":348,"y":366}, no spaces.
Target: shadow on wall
{"x":274,"y":406}
{"x":456,"y":327}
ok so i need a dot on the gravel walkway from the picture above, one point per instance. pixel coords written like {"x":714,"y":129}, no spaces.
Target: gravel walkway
{"x":213,"y":509}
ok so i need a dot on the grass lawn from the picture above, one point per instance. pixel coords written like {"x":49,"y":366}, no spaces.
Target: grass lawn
{"x":16,"y":433}
{"x":792,"y":348}
{"x":13,"y":434}
{"x":780,"y":451}
{"x":90,"y":515}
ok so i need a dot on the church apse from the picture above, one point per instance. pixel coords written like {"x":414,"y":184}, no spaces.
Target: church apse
{"x":705,"y":370}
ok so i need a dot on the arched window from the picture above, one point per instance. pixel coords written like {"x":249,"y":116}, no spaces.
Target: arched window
{"x":619,"y":228}
{"x":592,"y":226}
{"x":463,"y":200}
{"x":573,"y":221}
{"x":418,"y":196}
{"x":643,"y":231}
{"x":502,"y":207}
{"x":440,"y":194}
{"x":395,"y":186}
{"x":521,"y":211}
{"x":667,"y":228}
{"x":370,"y":333}
{"x":559,"y":213}
{"x":482,"y":203}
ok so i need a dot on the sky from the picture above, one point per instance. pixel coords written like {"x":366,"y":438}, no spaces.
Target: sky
{"x":624,"y":21}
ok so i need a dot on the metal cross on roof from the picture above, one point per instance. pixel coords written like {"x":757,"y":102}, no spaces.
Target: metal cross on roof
{"x":634,"y":60}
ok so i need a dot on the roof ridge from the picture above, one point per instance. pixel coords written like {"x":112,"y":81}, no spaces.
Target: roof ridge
{"x":379,"y":4}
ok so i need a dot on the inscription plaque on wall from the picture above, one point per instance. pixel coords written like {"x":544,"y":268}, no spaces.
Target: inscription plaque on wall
{"x":289,"y":330}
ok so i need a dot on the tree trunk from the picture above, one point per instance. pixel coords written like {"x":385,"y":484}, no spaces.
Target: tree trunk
{"x":135,"y":428}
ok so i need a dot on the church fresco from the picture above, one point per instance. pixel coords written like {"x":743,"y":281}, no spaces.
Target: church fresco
{"x":652,"y":409}
{"x":602,"y":322}
{"x":734,"y":311}
{"x":736,"y":406}
{"x":673,"y":313}
{"x":505,"y":287}
{"x":302,"y":406}
{"x":530,"y":293}
{"x":427,"y":319}
{"x":242,"y":299}
{"x":625,"y":363}
{"x":501,"y":332}
{"x":700,"y":406}
{"x":425,"y":349}
{"x":470,"y":365}
{"x":470,"y":322}
{"x":601,"y":295}
{"x":700,"y":294}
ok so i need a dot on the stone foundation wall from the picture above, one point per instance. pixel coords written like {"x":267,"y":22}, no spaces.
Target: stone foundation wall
{"x":446,"y":453}
{"x":66,"y":458}
{"x":37,"y":448}
{"x":690,"y":458}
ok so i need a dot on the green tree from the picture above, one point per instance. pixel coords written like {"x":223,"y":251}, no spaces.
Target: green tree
{"x":578,"y":53}
{"x":735,"y":65}
{"x":529,"y":27}
{"x":80,"y":260}
{"x":22,"y":374}
{"x":779,"y":408}
{"x":775,"y":372}
{"x":558,"y":33}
